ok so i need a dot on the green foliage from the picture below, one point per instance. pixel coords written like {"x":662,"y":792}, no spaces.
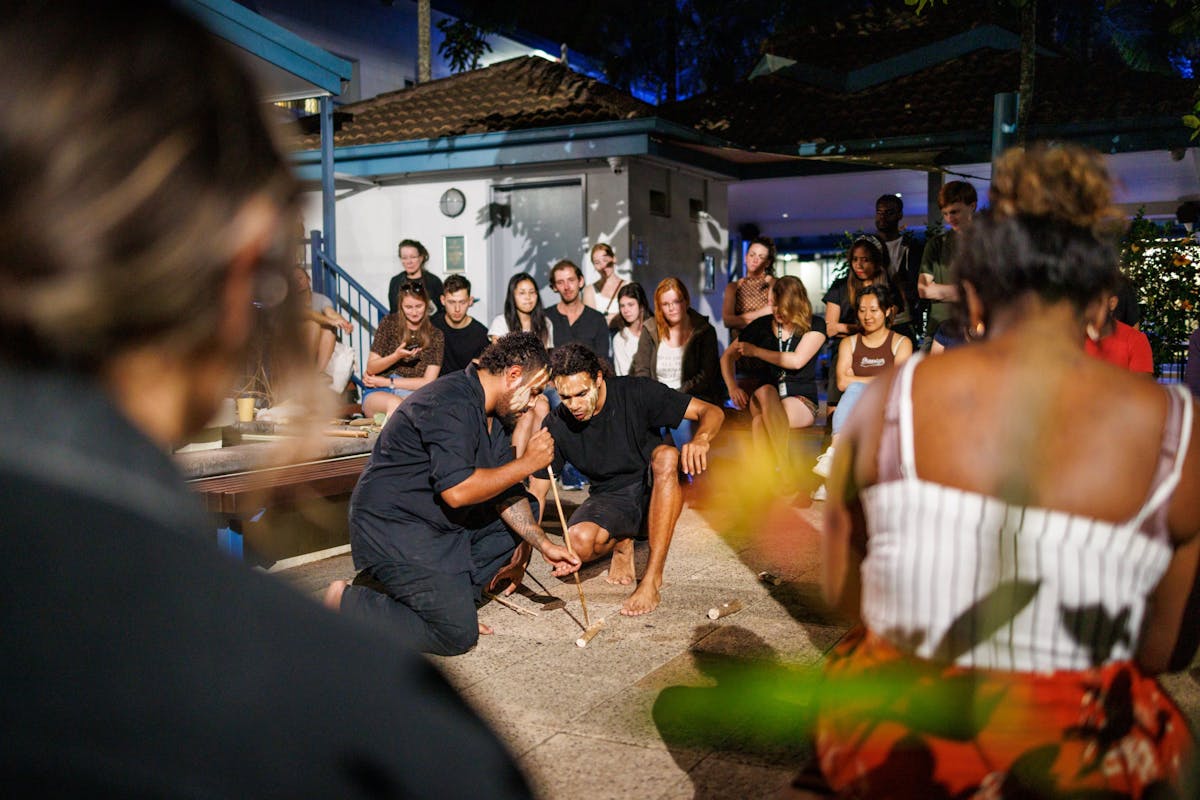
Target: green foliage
{"x":464,"y":44}
{"x":1165,"y":272}
{"x":1193,"y":121}
{"x":921,"y":5}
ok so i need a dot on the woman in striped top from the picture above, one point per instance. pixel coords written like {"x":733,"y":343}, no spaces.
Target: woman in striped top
{"x":1016,"y":526}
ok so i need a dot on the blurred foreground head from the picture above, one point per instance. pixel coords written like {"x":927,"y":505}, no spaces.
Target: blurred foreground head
{"x":1050,"y":231}
{"x":144,"y":206}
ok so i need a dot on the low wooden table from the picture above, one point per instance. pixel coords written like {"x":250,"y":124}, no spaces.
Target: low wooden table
{"x":236,"y":484}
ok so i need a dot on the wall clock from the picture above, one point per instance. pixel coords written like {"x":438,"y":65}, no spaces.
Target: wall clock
{"x":452,"y":202}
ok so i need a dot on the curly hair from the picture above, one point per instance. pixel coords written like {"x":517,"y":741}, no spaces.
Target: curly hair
{"x":573,"y":358}
{"x":1049,"y":231}
{"x":518,"y":349}
{"x":769,"y":243}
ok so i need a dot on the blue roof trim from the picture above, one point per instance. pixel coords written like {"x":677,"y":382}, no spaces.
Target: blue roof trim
{"x":508,"y":148}
{"x":270,"y":42}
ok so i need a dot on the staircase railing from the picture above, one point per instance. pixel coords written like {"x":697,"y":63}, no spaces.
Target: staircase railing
{"x":351,"y":300}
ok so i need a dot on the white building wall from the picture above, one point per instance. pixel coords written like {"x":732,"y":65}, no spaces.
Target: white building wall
{"x":676,"y":245}
{"x":371,"y":224}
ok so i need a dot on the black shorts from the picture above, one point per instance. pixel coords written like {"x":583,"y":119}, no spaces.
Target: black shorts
{"x":622,"y":512}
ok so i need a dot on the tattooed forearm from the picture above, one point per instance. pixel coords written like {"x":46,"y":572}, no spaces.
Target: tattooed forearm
{"x":518,"y":515}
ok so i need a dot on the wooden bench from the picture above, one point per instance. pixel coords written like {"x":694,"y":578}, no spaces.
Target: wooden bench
{"x":243,"y":493}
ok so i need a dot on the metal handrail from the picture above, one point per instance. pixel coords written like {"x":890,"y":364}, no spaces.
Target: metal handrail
{"x":350,"y":298}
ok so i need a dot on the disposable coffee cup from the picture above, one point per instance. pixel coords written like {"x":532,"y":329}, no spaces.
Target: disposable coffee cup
{"x":245,"y":409}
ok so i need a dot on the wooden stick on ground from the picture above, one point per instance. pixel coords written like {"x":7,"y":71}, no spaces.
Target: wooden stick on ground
{"x":590,"y":633}
{"x":562,"y":518}
{"x":504,"y":601}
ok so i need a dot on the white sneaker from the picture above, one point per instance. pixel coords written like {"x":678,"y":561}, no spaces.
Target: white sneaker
{"x":819,"y":493}
{"x":824,"y":463}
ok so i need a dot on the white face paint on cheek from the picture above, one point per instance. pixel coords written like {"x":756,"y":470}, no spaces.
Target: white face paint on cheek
{"x":520,"y":399}
{"x":593,"y":397}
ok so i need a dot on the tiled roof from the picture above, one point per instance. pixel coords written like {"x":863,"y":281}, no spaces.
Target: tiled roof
{"x":776,"y":112}
{"x":521,"y":93}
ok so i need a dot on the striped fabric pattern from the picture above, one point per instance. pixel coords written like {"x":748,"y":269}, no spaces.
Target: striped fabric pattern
{"x":958,"y":577}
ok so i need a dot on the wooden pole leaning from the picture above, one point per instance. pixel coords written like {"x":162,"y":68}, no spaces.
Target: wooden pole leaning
{"x":562,"y":518}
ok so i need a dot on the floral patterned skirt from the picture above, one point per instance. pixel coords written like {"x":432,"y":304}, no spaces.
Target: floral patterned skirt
{"x":897,"y":727}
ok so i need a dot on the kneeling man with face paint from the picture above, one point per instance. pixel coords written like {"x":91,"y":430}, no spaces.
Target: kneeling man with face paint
{"x":440,"y":514}
{"x":611,"y":429}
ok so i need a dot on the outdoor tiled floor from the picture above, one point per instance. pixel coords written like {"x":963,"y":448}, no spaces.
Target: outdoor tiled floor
{"x":597,"y":722}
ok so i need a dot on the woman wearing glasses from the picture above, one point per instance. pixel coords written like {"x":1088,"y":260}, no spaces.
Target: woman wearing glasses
{"x":406,"y":353}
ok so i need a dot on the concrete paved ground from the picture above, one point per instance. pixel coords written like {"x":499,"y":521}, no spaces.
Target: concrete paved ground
{"x":655,"y":706}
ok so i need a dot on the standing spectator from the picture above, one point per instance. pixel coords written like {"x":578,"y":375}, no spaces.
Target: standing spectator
{"x":145,"y":213}
{"x":405,"y":355}
{"x":522,"y":310}
{"x":465,"y":337}
{"x":413,"y":258}
{"x":749,"y":297}
{"x":679,"y":350}
{"x":1015,"y":524}
{"x":633,"y":310}
{"x":957,"y":200}
{"x":602,"y":295}
{"x":778,"y":356}
{"x":1113,"y":341}
{"x":571,"y":320}
{"x":904,"y":261}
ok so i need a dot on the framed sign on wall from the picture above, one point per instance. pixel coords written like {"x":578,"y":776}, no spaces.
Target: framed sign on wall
{"x":454,"y":254}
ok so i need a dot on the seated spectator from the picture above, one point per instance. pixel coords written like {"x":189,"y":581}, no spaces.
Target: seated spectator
{"x":465,"y":336}
{"x":523,"y":310}
{"x":413,"y":258}
{"x":777,"y":354}
{"x":868,"y":267}
{"x":1113,"y":341}
{"x":321,"y":320}
{"x":861,"y":357}
{"x":602,"y":295}
{"x":633,"y":309}
{"x":405,"y":355}
{"x":680,"y":350}
{"x":749,"y":297}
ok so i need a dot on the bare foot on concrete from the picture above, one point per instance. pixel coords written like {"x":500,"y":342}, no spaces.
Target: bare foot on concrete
{"x":484,"y":630}
{"x":621,"y":570}
{"x":645,"y":598}
{"x":333,"y":595}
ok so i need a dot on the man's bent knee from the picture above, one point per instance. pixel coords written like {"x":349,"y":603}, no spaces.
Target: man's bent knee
{"x":584,"y":539}
{"x":454,"y":637}
{"x":664,"y":461}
